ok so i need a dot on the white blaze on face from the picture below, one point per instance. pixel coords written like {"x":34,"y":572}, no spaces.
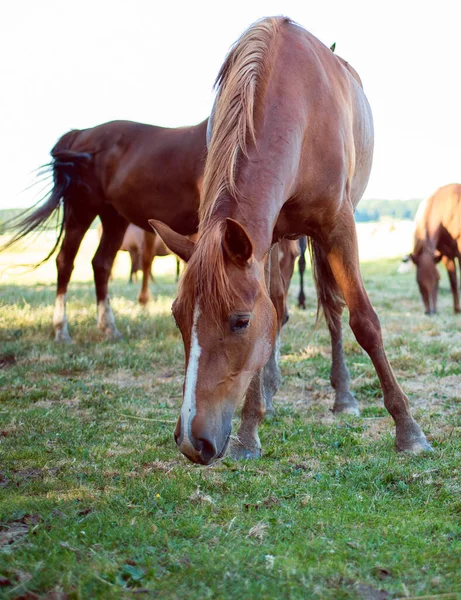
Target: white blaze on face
{"x":188,"y":405}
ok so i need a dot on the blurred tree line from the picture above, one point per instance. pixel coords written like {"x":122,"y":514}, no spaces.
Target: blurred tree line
{"x":373,"y":210}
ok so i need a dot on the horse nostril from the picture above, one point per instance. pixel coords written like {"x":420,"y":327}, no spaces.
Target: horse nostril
{"x":206,"y":449}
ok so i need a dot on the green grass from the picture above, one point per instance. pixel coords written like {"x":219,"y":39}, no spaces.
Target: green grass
{"x":97,"y":502}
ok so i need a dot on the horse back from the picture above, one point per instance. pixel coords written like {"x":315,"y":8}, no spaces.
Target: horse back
{"x":439,"y":217}
{"x":327,"y":94}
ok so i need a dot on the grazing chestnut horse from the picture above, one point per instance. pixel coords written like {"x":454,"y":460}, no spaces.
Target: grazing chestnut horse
{"x":289,"y":154}
{"x":438,"y":237}
{"x":125,"y":172}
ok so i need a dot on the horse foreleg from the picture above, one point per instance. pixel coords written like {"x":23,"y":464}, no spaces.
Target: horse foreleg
{"x":342,"y":253}
{"x":246,"y":443}
{"x":74,"y":232}
{"x":451,"y":269}
{"x":147,"y":258}
{"x":114,"y":227}
{"x":272,"y":376}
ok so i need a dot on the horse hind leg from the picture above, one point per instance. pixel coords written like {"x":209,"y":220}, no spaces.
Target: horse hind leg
{"x":114,"y":227}
{"x":147,"y":259}
{"x":342,"y":253}
{"x":75,"y":228}
{"x":450,"y":265}
{"x":332,"y":302}
{"x":135,"y":264}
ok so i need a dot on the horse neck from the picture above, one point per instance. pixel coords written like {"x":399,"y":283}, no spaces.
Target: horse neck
{"x":265,"y":179}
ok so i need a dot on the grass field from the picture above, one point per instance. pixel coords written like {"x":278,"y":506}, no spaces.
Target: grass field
{"x":97,"y":502}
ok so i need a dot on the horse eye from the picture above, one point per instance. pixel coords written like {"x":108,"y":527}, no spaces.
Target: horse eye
{"x":239,"y":322}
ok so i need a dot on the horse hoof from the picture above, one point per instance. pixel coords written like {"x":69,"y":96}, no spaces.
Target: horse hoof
{"x":410,"y":438}
{"x":347,"y":410}
{"x":143,"y":300}
{"x":347,"y":404}
{"x":239,"y":452}
{"x":113,"y":336}
{"x":62,"y":338}
{"x":414,"y":445}
{"x":269,"y":410}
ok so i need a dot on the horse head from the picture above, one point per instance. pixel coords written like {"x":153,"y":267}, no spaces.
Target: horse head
{"x":228,"y":326}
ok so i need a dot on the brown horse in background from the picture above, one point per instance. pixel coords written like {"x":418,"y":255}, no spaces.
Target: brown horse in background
{"x":128,"y":172}
{"x":290,"y":155}
{"x":134,"y":242}
{"x":438,"y":237}
{"x":125,"y":172}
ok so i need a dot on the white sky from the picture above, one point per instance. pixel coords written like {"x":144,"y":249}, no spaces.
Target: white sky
{"x":66,"y":64}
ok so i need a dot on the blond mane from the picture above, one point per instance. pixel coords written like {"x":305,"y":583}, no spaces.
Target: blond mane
{"x":239,"y":80}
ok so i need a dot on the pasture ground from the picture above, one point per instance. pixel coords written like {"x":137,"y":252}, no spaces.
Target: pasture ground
{"x":97,"y":502}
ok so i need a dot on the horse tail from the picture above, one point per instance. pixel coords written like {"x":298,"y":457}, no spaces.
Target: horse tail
{"x":66,"y":168}
{"x":329,"y":297}
{"x":302,"y":242}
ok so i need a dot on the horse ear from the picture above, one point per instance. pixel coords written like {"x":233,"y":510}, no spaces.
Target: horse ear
{"x":236,"y":243}
{"x":177,"y":243}
{"x":333,"y":46}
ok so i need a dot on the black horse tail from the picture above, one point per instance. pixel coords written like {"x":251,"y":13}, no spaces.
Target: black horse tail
{"x":67,"y":168}
{"x":302,"y":267}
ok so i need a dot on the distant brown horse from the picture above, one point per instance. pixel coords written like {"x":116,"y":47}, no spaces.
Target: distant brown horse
{"x":125,"y":172}
{"x":438,"y":237}
{"x":290,"y":155}
{"x":134,"y":242}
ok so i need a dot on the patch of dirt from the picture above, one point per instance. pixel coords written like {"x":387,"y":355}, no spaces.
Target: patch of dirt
{"x":14,"y":531}
{"x":166,"y":466}
{"x":125,"y":379}
{"x":73,"y":403}
{"x":25,"y":474}
{"x":269,"y":502}
{"x":368,"y":592}
{"x":8,"y":431}
{"x":7,"y":360}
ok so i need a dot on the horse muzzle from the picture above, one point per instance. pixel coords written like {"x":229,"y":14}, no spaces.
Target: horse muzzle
{"x":202,"y":444}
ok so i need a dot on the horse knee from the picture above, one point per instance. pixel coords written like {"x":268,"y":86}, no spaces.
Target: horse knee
{"x":100,"y":268}
{"x":62,"y":265}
